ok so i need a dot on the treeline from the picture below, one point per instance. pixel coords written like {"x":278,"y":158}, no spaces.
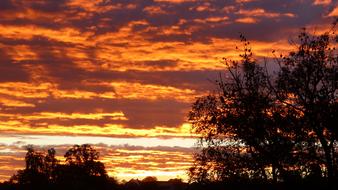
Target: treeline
{"x":81,"y":170}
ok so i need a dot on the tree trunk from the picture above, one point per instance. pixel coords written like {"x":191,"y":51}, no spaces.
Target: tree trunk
{"x":328,"y":158}
{"x":274,"y":174}
{"x":319,"y":129}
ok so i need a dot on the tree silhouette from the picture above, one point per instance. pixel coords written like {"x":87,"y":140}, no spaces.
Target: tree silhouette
{"x":259,"y":126}
{"x":244,"y":132}
{"x":50,"y":164}
{"x":309,"y":79}
{"x":149,"y":183}
{"x":81,"y":171}
{"x":85,"y":157}
{"x":33,"y":176}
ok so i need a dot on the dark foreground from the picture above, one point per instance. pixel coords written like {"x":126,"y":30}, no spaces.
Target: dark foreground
{"x":172,"y":185}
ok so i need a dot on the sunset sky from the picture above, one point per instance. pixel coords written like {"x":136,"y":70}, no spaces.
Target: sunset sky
{"x":122,"y":74}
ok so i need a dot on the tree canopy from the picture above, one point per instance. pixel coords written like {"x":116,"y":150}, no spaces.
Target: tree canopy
{"x":264,"y":126}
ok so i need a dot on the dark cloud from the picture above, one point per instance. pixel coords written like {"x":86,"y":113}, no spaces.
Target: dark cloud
{"x":160,"y":63}
{"x":10,"y":71}
{"x":6,"y":5}
{"x":140,"y":113}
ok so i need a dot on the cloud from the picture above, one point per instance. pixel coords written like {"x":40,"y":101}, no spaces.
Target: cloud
{"x":334,"y":12}
{"x":247,"y":20}
{"x":322,"y":2}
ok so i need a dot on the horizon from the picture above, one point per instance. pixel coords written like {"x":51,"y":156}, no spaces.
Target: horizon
{"x":122,"y":75}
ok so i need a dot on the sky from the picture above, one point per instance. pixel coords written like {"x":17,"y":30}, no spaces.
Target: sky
{"x":122,"y":74}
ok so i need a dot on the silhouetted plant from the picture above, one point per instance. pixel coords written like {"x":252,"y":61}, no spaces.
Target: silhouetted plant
{"x":84,"y":156}
{"x":261,"y":126}
{"x":33,"y":176}
{"x":309,"y":79}
{"x":243,"y":131}
{"x":81,"y":171}
{"x":149,"y":183}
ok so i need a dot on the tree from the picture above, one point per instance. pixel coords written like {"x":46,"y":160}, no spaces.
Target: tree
{"x":50,"y":164}
{"x":309,"y":79}
{"x":82,"y":170}
{"x":259,"y":125}
{"x":33,"y":176}
{"x":149,"y":183}
{"x":34,"y":160}
{"x":86,"y":157}
{"x":243,"y":131}
{"x":80,"y":154}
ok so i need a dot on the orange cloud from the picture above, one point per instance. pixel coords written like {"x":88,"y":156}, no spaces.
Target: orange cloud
{"x":174,"y":1}
{"x":109,"y":130}
{"x":259,"y":12}
{"x":247,"y":20}
{"x":212,"y":19}
{"x":25,"y":90}
{"x":244,"y":1}
{"x":59,"y":115}
{"x":128,"y":90}
{"x":322,"y":2}
{"x":191,"y":56}
{"x":96,"y":6}
{"x":153,"y":10}
{"x":14,"y":103}
{"x":67,"y":35}
{"x":334,"y":12}
{"x":125,"y":90}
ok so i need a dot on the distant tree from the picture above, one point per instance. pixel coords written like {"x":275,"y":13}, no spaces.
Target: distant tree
{"x":34,"y":160}
{"x":80,"y":154}
{"x":175,"y":181}
{"x":259,"y":126}
{"x":82,"y":170}
{"x":177,"y":184}
{"x":149,"y":183}
{"x":50,"y":164}
{"x":33,"y":176}
{"x":149,"y":179}
{"x":133,"y":184}
{"x":86,"y":157}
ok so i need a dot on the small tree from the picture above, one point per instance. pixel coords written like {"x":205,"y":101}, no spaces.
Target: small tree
{"x":34,"y":176}
{"x":85,"y":157}
{"x":50,"y":164}
{"x":82,"y":170}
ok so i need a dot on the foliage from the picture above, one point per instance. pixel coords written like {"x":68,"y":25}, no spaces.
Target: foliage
{"x":260,"y":127}
{"x":309,"y":79}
